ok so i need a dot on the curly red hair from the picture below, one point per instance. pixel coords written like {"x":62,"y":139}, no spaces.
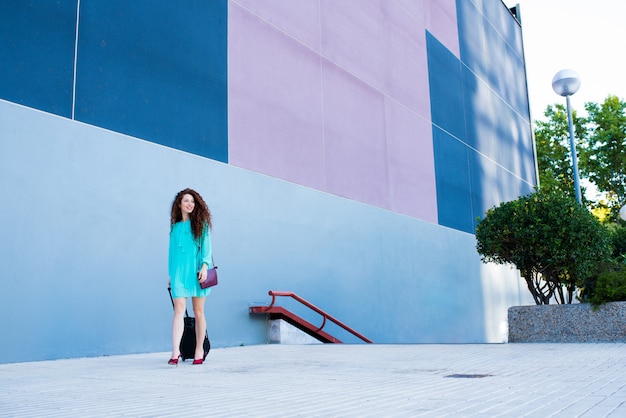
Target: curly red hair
{"x":200,"y":216}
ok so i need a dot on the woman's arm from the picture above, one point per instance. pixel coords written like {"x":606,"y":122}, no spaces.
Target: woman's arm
{"x":206,"y":250}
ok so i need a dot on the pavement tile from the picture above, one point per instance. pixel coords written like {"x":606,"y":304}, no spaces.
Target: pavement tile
{"x":329,"y":380}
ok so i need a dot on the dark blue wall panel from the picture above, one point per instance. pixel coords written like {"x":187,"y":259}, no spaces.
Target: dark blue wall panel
{"x":453,"y":183}
{"x":481,"y":125}
{"x":446,"y":89}
{"x":37,"y":54}
{"x":156,"y":70}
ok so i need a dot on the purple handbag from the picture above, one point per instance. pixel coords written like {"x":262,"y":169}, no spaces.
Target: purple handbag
{"x":211,"y":278}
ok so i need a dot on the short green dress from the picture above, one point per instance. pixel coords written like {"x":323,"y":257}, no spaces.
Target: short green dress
{"x":186,"y":256}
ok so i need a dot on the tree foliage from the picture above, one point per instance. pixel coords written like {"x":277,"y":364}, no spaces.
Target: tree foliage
{"x":608,"y":284}
{"x":553,"y":149}
{"x":603,"y":155}
{"x":559,"y":246}
{"x":610,"y":287}
{"x":553,"y":241}
{"x":601,"y":150}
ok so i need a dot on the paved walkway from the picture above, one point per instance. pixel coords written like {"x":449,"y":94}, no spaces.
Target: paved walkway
{"x":512,"y":380}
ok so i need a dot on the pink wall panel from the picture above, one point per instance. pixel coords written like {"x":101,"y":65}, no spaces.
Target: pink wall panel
{"x":334,"y":95}
{"x":353,"y":37}
{"x":437,"y":16}
{"x":443,"y":25}
{"x":411,"y":167}
{"x":354,"y":133}
{"x":406,"y":68}
{"x":298,"y":18}
{"x":275,"y":108}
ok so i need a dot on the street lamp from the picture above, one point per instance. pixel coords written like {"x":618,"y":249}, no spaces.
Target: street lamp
{"x":565,"y":83}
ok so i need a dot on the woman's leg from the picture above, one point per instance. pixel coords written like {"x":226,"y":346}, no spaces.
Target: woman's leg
{"x":198,"y":311}
{"x":178,"y":325}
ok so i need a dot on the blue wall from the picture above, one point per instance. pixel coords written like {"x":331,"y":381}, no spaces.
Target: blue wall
{"x":152,"y":70}
{"x":91,"y":159}
{"x":157,"y":71}
{"x":482,"y":140}
{"x":37,"y":51}
{"x":85,"y":251}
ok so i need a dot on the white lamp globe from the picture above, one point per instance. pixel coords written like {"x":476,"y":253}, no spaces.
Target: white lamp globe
{"x":622,"y":212}
{"x":566,"y":82}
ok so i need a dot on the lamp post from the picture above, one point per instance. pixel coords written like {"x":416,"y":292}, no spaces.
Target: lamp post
{"x":565,"y":83}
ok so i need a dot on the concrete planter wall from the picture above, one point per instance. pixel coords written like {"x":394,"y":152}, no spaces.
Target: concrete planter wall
{"x":576,"y":323}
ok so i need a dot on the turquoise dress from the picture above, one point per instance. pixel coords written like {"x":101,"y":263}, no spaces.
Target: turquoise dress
{"x":186,"y":256}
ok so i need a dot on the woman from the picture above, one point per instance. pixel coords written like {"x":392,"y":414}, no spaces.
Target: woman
{"x":189,"y":258}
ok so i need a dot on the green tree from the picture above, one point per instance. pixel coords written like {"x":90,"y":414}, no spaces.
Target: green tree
{"x":553,"y":241}
{"x":601,"y":150}
{"x":603,"y":156}
{"x":553,"y":149}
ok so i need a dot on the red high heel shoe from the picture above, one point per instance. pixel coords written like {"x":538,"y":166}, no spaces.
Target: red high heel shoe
{"x":198,"y":361}
{"x":173,"y":361}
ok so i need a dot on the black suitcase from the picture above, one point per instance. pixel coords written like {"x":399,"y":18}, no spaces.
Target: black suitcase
{"x":188,"y":342}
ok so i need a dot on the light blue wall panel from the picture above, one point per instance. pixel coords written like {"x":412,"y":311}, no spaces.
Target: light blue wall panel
{"x":490,"y":41}
{"x":502,"y":185}
{"x":84,"y":255}
{"x":494,"y":129}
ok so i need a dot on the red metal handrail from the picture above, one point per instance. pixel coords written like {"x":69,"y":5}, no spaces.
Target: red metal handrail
{"x":274,"y":293}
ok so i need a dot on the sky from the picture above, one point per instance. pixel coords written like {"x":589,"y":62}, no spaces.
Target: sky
{"x":586,"y":36}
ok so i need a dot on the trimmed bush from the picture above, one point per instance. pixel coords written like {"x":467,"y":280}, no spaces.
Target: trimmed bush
{"x":554,"y":242}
